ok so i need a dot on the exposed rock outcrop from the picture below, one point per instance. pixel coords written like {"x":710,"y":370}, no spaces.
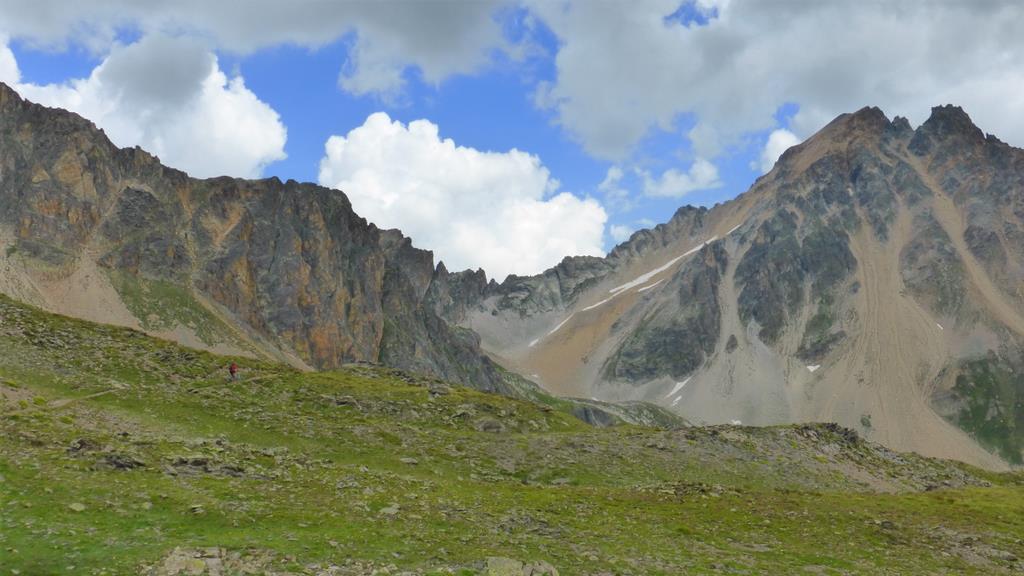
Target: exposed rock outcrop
{"x":861,"y":280}
{"x":288,"y":265}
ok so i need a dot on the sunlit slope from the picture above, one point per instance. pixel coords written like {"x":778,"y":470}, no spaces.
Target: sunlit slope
{"x":872,"y":278}
{"x":122,"y":454}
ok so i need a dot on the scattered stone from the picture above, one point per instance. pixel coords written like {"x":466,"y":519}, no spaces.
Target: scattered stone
{"x":213,"y":562}
{"x":77,"y":507}
{"x":82,"y":445}
{"x":497,"y":566}
{"x":409,"y":461}
{"x":122,"y":461}
{"x":490,"y":425}
{"x":439,"y":389}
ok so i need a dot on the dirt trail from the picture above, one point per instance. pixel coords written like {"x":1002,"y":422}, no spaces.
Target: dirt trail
{"x":64,"y":402}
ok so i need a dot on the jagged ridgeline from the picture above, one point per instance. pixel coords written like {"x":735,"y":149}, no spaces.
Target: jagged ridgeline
{"x":255,"y":267}
{"x":873,"y":277}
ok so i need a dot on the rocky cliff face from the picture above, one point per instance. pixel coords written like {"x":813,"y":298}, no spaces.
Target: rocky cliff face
{"x":260,"y":267}
{"x":874,"y":278}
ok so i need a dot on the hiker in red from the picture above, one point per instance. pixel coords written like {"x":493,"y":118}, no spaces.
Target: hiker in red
{"x":233,"y":369}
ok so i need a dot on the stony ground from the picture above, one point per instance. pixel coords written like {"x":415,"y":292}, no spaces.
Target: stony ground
{"x":122,"y":454}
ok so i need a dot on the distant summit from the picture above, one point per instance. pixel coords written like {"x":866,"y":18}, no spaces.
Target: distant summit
{"x":871,"y":278}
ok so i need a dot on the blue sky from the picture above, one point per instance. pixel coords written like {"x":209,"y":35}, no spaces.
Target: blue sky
{"x":665,"y":102}
{"x":491,"y":110}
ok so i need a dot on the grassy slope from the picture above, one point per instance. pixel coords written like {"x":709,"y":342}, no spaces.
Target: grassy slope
{"x":991,"y":392}
{"x":307,"y":469}
{"x":161,"y":305}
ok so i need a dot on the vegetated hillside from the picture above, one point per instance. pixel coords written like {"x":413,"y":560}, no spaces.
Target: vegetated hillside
{"x":873,"y":278}
{"x":124,"y":454}
{"x":254,"y":267}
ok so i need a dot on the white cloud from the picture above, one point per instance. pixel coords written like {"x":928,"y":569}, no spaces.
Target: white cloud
{"x":616,"y":196}
{"x":778,"y":142}
{"x":672,"y":183}
{"x":501,"y":211}
{"x":732,"y":75}
{"x":437,"y":38}
{"x":169,"y":96}
{"x":611,"y":179}
{"x":9,"y":73}
{"x":620,"y":232}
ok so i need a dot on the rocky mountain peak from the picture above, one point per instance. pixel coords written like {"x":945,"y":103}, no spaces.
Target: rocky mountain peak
{"x":868,"y":117}
{"x":950,"y":121}
{"x":948,"y":128}
{"x":868,"y":121}
{"x":868,"y":127}
{"x":275,"y":269}
{"x":862,"y":267}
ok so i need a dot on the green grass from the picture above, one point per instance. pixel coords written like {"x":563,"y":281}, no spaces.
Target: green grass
{"x":305,"y":469}
{"x":992,"y":392}
{"x":818,"y":337}
{"x":161,"y":305}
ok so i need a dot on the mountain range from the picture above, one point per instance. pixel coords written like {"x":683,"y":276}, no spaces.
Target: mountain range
{"x":872,"y":278}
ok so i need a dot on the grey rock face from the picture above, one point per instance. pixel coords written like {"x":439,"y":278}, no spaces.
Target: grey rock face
{"x":674,"y":339}
{"x":290,"y":261}
{"x":869,"y":232}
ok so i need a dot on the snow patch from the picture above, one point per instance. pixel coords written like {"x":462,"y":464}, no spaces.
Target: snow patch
{"x":940,"y":326}
{"x":639,"y":280}
{"x":553,"y":330}
{"x":614,"y":296}
{"x":733,"y":229}
{"x":643,"y":278}
{"x":649,"y":286}
{"x":592,"y":306}
{"x":678,"y":387}
{"x":560,"y":324}
{"x":676,"y":401}
{"x":736,"y":423}
{"x":813,"y":367}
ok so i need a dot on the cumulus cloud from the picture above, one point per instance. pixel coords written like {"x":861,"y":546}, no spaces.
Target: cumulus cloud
{"x":620,"y":232}
{"x":616,"y":195}
{"x":169,"y":96}
{"x":778,"y":142}
{"x":672,"y":183}
{"x":732,"y":75}
{"x":438,"y":38}
{"x":498,"y":210}
{"x":9,"y":73}
{"x":729,"y":76}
